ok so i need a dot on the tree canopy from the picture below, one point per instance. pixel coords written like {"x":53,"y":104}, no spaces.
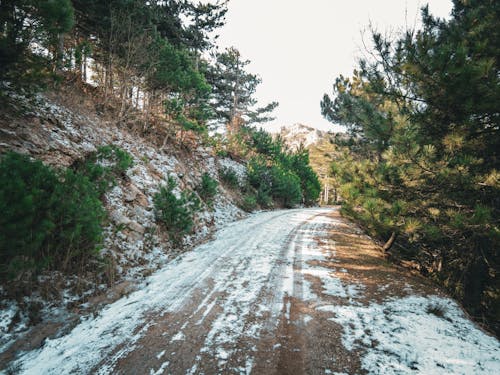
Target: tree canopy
{"x":152,"y":55}
{"x":233,"y":90}
{"x":423,"y":162}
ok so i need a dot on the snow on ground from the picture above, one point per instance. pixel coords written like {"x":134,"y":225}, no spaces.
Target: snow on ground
{"x":239,"y":169}
{"x":247,"y":248}
{"x":131,"y":237}
{"x":400,"y":335}
{"x":403,"y":336}
{"x":313,"y":257}
{"x":9,"y":311}
{"x":233,"y":289}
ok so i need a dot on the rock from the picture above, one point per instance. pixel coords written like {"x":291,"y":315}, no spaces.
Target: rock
{"x":131,"y":193}
{"x":119,"y":219}
{"x":142,"y":200}
{"x":136,"y":227}
{"x":132,"y":237}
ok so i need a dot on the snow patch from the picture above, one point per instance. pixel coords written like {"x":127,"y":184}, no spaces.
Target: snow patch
{"x":239,"y":169}
{"x":179,"y":336}
{"x":401,"y":336}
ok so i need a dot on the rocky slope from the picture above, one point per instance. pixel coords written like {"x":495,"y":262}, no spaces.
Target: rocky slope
{"x":60,"y":128}
{"x":300,"y":134}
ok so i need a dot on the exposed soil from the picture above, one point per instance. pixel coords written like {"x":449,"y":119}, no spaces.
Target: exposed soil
{"x":258,"y":299}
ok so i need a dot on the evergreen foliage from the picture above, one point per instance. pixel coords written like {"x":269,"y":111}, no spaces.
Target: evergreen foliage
{"x":249,"y":202}
{"x":175,"y":212}
{"x":50,"y":219}
{"x":422,"y":164}
{"x":104,"y":166}
{"x":229,"y":177}
{"x":207,"y":189}
{"x":24,"y":23}
{"x":279,"y":174}
{"x":233,"y":91}
{"x":148,"y":55}
{"x":285,"y":186}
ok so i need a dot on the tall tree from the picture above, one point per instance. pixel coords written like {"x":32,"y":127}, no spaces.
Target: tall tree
{"x":204,"y":20}
{"x":428,"y":104}
{"x":28,"y":23}
{"x":233,"y":90}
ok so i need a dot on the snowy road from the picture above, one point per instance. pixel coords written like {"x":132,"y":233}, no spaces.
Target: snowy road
{"x":287,"y":292}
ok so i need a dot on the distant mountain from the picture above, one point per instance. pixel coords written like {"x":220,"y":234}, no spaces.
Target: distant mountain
{"x":298,"y":134}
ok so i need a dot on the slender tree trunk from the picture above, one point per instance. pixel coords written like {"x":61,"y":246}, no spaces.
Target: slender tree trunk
{"x":84,"y":68}
{"x":389,"y":242}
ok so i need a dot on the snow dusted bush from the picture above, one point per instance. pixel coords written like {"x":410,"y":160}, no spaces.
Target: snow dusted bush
{"x":229,"y":177}
{"x":207,"y":189}
{"x":175,"y":212}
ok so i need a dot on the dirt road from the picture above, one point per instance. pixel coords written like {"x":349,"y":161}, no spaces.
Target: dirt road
{"x":283,"y":292}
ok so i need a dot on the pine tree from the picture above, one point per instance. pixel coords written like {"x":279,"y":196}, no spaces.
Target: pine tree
{"x":233,"y":90}
{"x":423,"y":162}
{"x":24,"y":23}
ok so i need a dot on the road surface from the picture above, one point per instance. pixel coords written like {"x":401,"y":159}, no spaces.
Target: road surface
{"x":284,"y":292}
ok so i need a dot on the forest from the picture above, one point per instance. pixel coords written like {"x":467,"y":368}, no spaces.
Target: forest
{"x":159,"y":57}
{"x":420,"y":170}
{"x":150,"y":222}
{"x":156,"y":67}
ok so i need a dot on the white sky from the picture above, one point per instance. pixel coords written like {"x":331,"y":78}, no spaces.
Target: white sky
{"x":299,"y":47}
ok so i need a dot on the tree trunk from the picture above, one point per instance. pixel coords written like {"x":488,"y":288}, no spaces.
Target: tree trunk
{"x":85,"y":68}
{"x":389,"y":242}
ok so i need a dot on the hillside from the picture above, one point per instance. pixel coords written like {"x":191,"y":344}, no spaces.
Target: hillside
{"x":150,"y":224}
{"x":163,"y":190}
{"x":300,"y":134}
{"x":64,"y":128}
{"x":322,"y":151}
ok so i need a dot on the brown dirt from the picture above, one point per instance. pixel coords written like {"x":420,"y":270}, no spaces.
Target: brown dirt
{"x":305,"y":341}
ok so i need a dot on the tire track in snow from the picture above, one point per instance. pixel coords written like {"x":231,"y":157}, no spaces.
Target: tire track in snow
{"x":98,"y":344}
{"x":274,"y":294}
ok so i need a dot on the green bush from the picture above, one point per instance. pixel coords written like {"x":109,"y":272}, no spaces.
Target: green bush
{"x":249,"y":202}
{"x":258,"y":174}
{"x":229,"y":177}
{"x":48,"y":218}
{"x":276,"y":171}
{"x":275,"y":182}
{"x":309,"y":181}
{"x":104,"y":166}
{"x":207,"y":188}
{"x":175,"y":213}
{"x":264,"y":198}
{"x":264,"y":143}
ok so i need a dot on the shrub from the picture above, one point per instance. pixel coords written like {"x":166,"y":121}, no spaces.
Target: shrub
{"x":207,"y":188}
{"x":279,"y":183}
{"x":258,"y":173}
{"x":249,"y":202}
{"x":120,"y":159}
{"x":175,"y":213}
{"x":104,"y":166}
{"x":436,"y":309}
{"x":264,"y":143}
{"x":229,"y":177}
{"x":264,"y":198}
{"x":48,"y":218}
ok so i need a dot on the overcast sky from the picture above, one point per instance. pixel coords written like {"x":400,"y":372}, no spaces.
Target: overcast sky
{"x":298,"y":47}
